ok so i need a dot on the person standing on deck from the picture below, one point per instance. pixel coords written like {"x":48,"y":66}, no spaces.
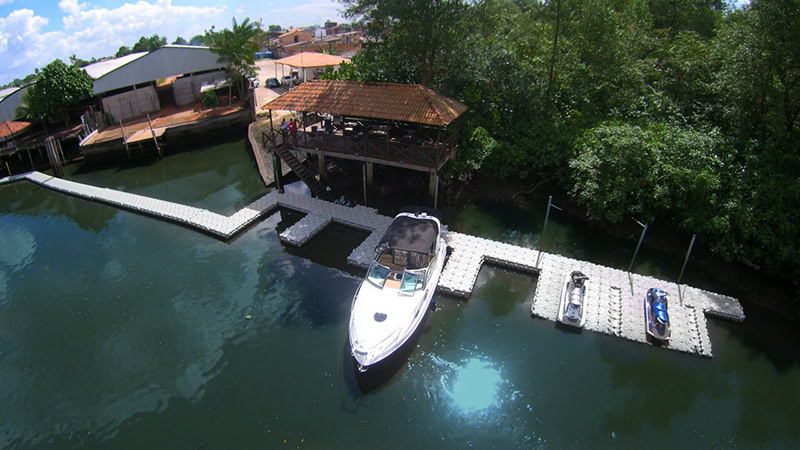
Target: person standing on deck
{"x":293,"y":129}
{"x":284,"y":129}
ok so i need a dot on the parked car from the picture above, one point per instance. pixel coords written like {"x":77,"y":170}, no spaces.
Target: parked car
{"x":253,"y":81}
{"x":273,"y":83}
{"x":287,"y":80}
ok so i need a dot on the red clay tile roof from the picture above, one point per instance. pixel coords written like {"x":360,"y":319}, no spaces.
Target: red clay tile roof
{"x":9,"y":127}
{"x":389,"y":101}
{"x":311,"y":59}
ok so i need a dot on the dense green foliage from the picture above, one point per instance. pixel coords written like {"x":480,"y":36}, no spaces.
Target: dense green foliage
{"x":144,"y":44}
{"x":58,"y":88}
{"x":210,"y":99}
{"x":180,"y":41}
{"x":682,"y":113}
{"x":237,"y":49}
{"x":199,"y":40}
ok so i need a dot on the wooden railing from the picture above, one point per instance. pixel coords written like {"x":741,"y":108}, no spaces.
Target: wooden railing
{"x":427,"y":154}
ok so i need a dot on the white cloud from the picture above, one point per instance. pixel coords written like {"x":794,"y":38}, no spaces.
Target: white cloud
{"x":5,"y":2}
{"x":90,"y":31}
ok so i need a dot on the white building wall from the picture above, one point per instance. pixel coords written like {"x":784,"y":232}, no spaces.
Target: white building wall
{"x":187,"y":89}
{"x":132,"y":103}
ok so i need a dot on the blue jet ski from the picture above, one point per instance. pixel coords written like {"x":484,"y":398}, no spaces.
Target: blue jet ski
{"x":656,"y":317}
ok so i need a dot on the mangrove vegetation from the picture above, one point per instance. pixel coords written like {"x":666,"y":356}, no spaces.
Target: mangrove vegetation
{"x":680,"y":113}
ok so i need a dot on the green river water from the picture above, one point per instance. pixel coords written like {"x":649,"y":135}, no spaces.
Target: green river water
{"x":122,"y":331}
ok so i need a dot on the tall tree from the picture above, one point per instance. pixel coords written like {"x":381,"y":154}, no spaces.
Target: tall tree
{"x":420,"y":31}
{"x":149,"y":44}
{"x":58,"y":88}
{"x":236,"y":48}
{"x":180,"y":41}
{"x":198,"y":40}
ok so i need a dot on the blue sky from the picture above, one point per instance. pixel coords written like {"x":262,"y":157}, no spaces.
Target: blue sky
{"x":34,"y":32}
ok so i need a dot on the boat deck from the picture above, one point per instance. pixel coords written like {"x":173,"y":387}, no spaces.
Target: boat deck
{"x":614,"y":298}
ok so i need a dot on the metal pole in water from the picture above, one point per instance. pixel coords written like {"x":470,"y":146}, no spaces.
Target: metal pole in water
{"x":688,"y":252}
{"x":639,"y":245}
{"x":544,"y":229}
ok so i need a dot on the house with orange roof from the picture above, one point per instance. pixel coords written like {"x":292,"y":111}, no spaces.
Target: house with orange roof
{"x":294,"y":36}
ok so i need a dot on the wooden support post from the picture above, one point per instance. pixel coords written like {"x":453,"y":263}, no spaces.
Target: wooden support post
{"x":364,"y":181}
{"x":432,"y":183}
{"x":153,"y":132}
{"x":305,"y":135}
{"x":321,"y":165}
{"x":63,"y":160}
{"x":124,"y":139}
{"x":436,"y":193}
{"x":276,"y":171}
{"x":369,"y":173}
{"x":30,"y":158}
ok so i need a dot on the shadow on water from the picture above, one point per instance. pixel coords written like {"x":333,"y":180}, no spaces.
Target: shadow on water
{"x":331,"y":247}
{"x":503,"y":296}
{"x":778,"y":347}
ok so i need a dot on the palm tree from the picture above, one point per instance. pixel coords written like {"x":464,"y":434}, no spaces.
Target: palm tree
{"x":237,"y":48}
{"x":24,"y":110}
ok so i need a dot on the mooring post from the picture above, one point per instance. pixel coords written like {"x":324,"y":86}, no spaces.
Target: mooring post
{"x":641,"y":238}
{"x":686,"y":260}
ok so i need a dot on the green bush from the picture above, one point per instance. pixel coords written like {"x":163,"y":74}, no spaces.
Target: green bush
{"x":210,"y":100}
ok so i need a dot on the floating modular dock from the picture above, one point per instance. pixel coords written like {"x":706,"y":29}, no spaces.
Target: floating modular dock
{"x":614,"y":298}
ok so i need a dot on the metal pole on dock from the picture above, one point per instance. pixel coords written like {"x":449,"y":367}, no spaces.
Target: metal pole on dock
{"x":158,"y":148}
{"x":639,"y":245}
{"x":544,"y":229}
{"x":686,"y":260}
{"x":124,"y":139}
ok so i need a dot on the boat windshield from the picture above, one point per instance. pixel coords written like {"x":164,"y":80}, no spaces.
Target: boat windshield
{"x":377,"y":274}
{"x":412,"y":280}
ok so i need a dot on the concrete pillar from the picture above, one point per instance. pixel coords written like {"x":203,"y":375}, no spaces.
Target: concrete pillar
{"x":369,"y":173}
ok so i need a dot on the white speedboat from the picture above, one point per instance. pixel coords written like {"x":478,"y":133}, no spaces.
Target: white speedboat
{"x":571,"y":309}
{"x":398,"y":289}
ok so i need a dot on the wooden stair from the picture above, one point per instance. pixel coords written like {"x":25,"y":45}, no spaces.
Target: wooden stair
{"x":308,"y":175}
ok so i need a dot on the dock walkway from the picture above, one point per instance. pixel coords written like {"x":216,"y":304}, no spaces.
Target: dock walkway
{"x":614,"y":297}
